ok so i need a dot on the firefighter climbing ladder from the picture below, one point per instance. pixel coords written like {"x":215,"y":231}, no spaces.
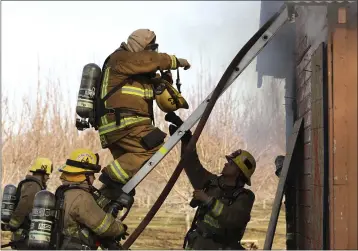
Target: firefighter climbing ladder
{"x":238,"y":65}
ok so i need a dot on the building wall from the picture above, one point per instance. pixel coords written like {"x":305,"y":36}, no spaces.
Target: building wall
{"x":325,"y":182}
{"x":311,"y":31}
{"x":343,"y":178}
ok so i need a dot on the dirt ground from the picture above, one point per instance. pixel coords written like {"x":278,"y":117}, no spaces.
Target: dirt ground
{"x":167,"y":229}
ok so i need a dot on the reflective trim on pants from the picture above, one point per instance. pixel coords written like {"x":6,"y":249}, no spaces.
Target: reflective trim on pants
{"x":123,"y":123}
{"x":116,"y":172}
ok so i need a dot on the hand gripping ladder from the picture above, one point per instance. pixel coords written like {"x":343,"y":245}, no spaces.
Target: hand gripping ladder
{"x":237,"y":66}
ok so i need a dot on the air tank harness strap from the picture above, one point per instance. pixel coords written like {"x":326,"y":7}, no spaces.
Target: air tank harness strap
{"x":28,"y":179}
{"x":102,"y":110}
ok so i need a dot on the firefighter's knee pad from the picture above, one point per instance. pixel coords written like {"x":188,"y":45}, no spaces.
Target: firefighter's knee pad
{"x":153,"y":139}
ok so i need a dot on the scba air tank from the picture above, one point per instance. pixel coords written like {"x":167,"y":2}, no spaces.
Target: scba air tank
{"x":91,"y":75}
{"x":8,"y":202}
{"x":42,"y":220}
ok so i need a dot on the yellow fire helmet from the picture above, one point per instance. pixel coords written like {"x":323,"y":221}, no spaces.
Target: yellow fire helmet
{"x":245,"y":161}
{"x":42,"y":165}
{"x":81,"y":161}
{"x":168,"y":98}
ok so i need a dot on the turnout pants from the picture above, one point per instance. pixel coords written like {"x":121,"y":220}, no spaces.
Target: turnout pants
{"x":131,"y":151}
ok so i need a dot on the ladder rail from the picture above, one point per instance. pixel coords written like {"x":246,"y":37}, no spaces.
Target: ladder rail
{"x":282,"y":17}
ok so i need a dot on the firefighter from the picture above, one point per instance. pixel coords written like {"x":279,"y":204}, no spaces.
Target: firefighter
{"x":84,"y":221}
{"x":128,"y":87}
{"x":19,"y":223}
{"x":224,"y":205}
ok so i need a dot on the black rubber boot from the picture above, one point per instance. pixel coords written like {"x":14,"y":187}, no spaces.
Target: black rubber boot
{"x":111,"y":189}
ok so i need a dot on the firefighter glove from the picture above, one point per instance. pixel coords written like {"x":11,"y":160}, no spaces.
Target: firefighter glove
{"x":167,"y":75}
{"x":183,"y":63}
{"x":124,"y":234}
{"x":187,"y":136}
{"x":5,"y":227}
{"x":114,"y":209}
{"x":203,"y":197}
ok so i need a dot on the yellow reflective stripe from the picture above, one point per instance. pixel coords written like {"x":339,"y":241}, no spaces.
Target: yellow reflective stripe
{"x":173,"y":64}
{"x":148,"y":93}
{"x":211,"y":221}
{"x":84,"y":103}
{"x":132,"y":90}
{"x":133,"y":93}
{"x":105,"y":224}
{"x":119,"y":173}
{"x":145,"y":93}
{"x":163,"y":150}
{"x":14,"y":223}
{"x":123,"y":123}
{"x":217,"y":209}
{"x":104,"y":92}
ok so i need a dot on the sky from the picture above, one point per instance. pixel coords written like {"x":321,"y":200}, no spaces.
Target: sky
{"x":61,"y":37}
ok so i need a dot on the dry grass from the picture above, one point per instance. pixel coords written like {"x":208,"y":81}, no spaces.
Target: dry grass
{"x":47,"y":129}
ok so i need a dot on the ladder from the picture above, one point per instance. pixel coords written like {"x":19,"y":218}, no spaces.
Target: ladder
{"x":266,"y":32}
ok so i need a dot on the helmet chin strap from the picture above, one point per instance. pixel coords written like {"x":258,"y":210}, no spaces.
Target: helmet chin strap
{"x":91,"y":187}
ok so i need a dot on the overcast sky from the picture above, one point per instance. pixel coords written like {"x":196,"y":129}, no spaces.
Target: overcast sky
{"x":64,"y":36}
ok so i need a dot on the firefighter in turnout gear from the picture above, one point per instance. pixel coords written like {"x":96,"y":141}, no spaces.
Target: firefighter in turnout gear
{"x":84,"y":221}
{"x":19,"y":223}
{"x":129,"y":85}
{"x":224,"y":205}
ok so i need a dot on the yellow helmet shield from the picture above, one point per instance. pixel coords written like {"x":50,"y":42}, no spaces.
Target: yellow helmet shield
{"x":81,"y":161}
{"x":168,"y":98}
{"x":42,"y":165}
{"x":245,"y":161}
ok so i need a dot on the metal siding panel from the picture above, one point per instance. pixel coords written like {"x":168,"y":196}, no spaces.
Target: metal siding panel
{"x":307,"y":135}
{"x":318,"y":147}
{"x":344,"y":139}
{"x":341,"y":92}
{"x":353,"y":129}
{"x":340,"y":216}
{"x":317,"y":205}
{"x":307,"y":167}
{"x":330,"y":141}
{"x":304,"y":197}
{"x":307,"y":119}
{"x":308,"y":150}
